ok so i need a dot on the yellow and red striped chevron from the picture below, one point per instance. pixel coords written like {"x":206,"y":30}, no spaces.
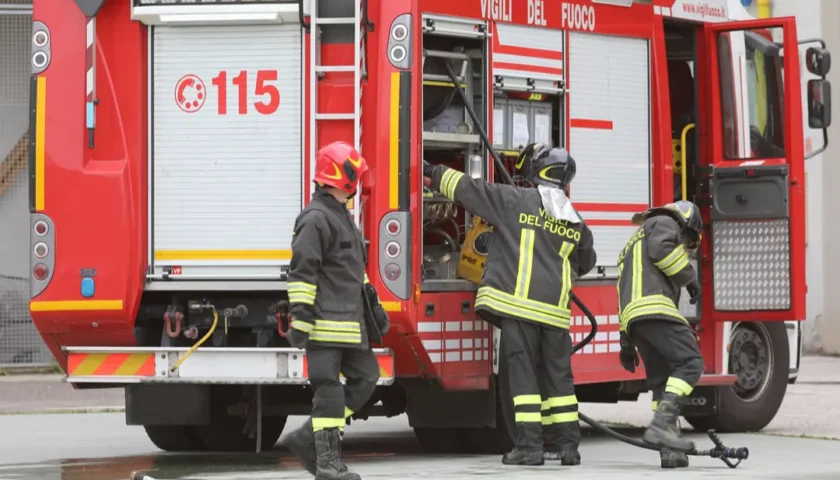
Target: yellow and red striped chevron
{"x":111,"y":364}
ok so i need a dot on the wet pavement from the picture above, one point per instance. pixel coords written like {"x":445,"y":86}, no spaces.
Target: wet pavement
{"x":101,"y":447}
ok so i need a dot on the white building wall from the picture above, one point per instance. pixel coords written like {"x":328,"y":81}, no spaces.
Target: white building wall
{"x":821,"y":334}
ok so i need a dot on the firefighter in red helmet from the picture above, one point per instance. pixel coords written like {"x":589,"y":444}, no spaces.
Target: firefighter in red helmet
{"x":328,"y":293}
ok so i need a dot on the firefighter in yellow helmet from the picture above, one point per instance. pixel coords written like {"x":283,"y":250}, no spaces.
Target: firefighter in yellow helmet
{"x":539,"y":243}
{"x":652,"y":269}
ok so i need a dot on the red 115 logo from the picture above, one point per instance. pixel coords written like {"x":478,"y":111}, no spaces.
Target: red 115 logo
{"x":270,"y":93}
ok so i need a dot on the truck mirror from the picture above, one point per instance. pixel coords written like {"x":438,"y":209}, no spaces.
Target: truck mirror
{"x":818,"y":61}
{"x":819,"y":104}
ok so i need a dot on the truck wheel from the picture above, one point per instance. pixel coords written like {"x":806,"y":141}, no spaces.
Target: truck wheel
{"x":498,"y":439}
{"x":443,"y":440}
{"x":225,"y":434}
{"x":174,"y":438}
{"x":760,"y":356}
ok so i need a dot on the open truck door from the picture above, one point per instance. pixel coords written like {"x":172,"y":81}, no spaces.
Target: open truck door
{"x":752,"y":194}
{"x":754,"y":161}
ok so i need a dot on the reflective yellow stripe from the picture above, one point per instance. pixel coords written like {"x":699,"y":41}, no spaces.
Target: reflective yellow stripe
{"x":302,"y":326}
{"x":323,"y":423}
{"x":658,"y":305}
{"x":637,"y":271}
{"x":678,"y":386}
{"x":618,"y":287}
{"x":336,"y":331}
{"x":449,"y":182}
{"x":559,"y":418}
{"x":367,"y":280}
{"x":347,"y":412}
{"x":528,"y":417}
{"x":674,"y":263}
{"x":303,"y":298}
{"x":566,"y":401}
{"x":566,"y":287}
{"x":654,"y":405}
{"x":526,"y":259}
{"x":676,"y":267}
{"x":524,"y":308}
{"x":671,"y":257}
{"x":526,"y":400}
{"x":302,"y":292}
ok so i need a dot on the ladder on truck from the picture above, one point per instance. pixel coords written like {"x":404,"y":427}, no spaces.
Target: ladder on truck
{"x":317,"y":24}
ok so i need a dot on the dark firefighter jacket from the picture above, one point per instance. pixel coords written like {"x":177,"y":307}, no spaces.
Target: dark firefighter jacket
{"x":652,"y":268}
{"x":532,"y":257}
{"x":327,"y":275}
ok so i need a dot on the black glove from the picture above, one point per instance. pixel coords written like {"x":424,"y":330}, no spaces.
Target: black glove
{"x":693,"y":291}
{"x":382,"y":320}
{"x":428,"y":169}
{"x":297,"y":338}
{"x":628,"y":356}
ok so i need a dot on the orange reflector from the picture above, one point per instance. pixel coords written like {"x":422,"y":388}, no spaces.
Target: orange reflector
{"x":111,"y":364}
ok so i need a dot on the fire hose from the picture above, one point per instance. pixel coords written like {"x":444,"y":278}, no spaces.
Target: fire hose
{"x":720,"y":451}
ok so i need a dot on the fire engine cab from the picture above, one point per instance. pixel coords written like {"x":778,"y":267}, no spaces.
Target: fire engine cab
{"x":174,"y":143}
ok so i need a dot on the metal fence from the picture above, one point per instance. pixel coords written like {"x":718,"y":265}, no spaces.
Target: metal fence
{"x":20,"y":343}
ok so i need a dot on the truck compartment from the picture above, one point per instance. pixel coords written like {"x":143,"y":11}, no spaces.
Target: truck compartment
{"x":454,"y":241}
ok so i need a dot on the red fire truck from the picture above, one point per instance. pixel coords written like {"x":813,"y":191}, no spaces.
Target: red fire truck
{"x":172,"y":148}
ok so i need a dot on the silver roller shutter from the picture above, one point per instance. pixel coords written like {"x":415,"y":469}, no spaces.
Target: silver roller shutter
{"x":226,"y":187}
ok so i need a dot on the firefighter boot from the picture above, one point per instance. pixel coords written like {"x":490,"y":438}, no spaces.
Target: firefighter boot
{"x":329,"y":463}
{"x":301,"y":442}
{"x":531,"y":453}
{"x":551,"y":442}
{"x":663,"y":430}
{"x":671,"y":459}
{"x":560,"y":443}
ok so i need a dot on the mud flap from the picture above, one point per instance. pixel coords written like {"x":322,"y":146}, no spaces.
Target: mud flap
{"x":702,"y":402}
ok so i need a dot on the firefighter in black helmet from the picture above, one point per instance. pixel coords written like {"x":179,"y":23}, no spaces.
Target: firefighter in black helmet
{"x":652,"y":269}
{"x":560,"y":439}
{"x":539,"y":243}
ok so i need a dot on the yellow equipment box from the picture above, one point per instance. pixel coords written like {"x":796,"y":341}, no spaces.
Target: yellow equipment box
{"x":474,"y":251}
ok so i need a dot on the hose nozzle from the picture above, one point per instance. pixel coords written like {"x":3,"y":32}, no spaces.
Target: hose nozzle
{"x":724,"y":453}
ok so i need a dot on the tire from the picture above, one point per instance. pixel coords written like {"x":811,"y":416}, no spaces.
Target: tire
{"x":498,"y":439}
{"x":174,"y":438}
{"x":226,"y":434}
{"x":443,"y":440}
{"x":760,"y":356}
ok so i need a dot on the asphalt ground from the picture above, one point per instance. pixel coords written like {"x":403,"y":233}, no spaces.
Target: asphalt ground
{"x":99,"y":446}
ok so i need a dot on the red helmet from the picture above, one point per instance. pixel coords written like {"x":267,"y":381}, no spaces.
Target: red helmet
{"x":340,"y":165}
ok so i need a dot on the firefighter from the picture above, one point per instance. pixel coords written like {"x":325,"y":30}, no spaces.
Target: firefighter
{"x":555,"y":434}
{"x":652,"y":268}
{"x":538,"y":244}
{"x":327,"y":289}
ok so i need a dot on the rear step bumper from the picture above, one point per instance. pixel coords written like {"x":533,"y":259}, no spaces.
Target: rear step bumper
{"x":224,"y":366}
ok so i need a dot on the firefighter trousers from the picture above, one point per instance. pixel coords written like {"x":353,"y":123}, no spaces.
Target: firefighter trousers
{"x":672,"y":358}
{"x":545,"y":402}
{"x":332,"y":402}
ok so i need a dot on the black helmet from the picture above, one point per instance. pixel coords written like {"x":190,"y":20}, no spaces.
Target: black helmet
{"x":554,"y":168}
{"x":523,"y":171}
{"x":687,"y":216}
